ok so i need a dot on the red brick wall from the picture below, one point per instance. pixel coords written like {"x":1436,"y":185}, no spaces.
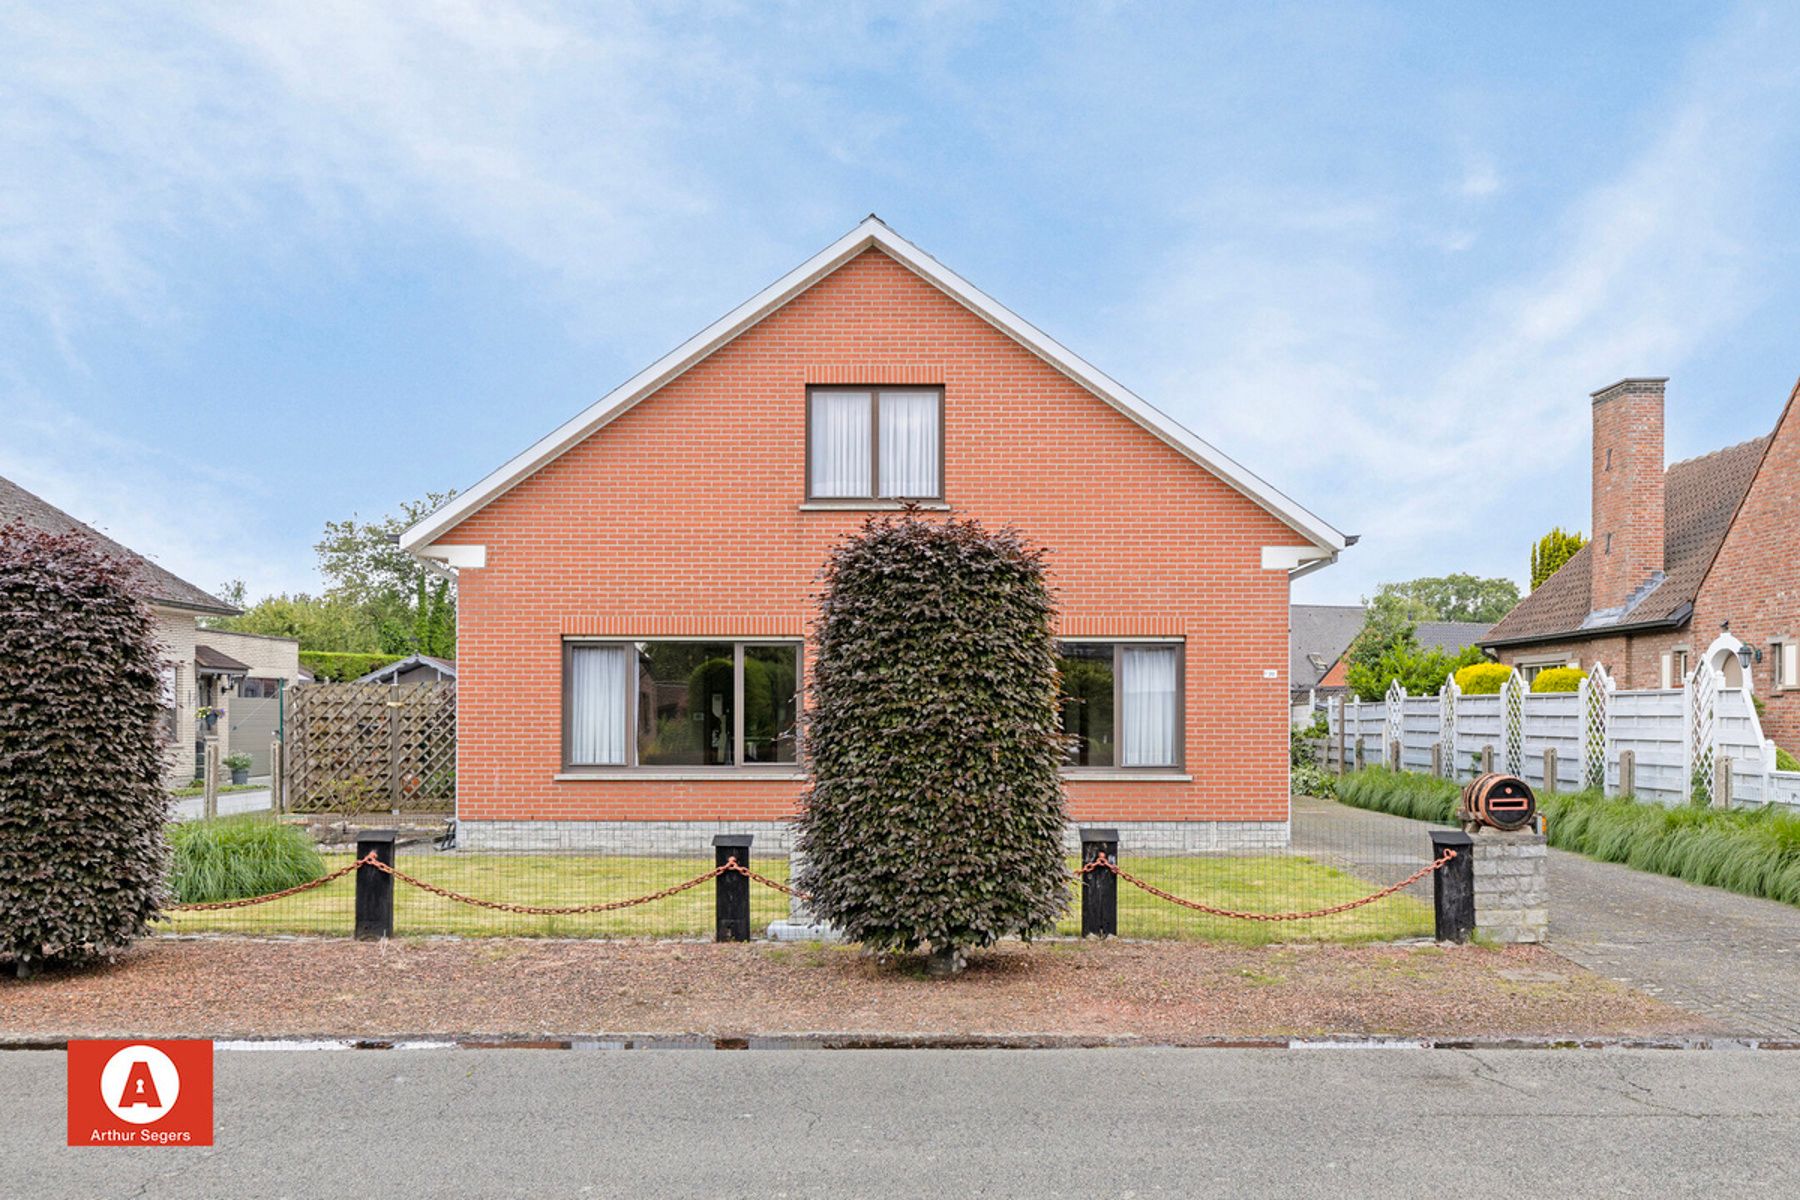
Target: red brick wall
{"x":682,"y":517}
{"x":1755,"y":580}
{"x":1628,"y":489}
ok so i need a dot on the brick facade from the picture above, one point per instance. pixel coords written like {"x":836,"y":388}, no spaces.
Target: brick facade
{"x":683,"y":517}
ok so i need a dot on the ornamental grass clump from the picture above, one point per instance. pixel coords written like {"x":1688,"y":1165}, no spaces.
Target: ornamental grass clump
{"x":934,"y":742}
{"x":81,"y":796}
{"x":230,"y":858}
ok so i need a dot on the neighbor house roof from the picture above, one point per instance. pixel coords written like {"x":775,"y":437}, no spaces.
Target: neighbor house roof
{"x":445,"y":667}
{"x":1700,"y":498}
{"x":156,"y":584}
{"x":1319,"y":634}
{"x":872,"y":232}
{"x":217,"y":662}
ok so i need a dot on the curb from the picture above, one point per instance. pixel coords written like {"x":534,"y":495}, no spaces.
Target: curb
{"x":866,"y":1041}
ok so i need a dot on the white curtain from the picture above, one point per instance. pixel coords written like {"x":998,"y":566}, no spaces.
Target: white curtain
{"x":909,"y":444}
{"x":597,"y":705}
{"x":840,"y":444}
{"x":1147,"y":687}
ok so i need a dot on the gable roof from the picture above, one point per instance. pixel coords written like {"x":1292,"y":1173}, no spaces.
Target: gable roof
{"x":871,"y":232}
{"x":1323,"y":632}
{"x":445,"y":667}
{"x":1700,"y":498}
{"x":156,"y":584}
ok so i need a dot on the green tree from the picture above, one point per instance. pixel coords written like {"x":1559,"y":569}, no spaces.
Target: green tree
{"x":1460,"y":597}
{"x":935,"y":741}
{"x":1550,"y":552}
{"x":1420,"y":671}
{"x":378,"y":598}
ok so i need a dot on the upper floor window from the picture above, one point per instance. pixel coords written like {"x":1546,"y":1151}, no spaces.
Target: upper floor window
{"x":875,"y":444}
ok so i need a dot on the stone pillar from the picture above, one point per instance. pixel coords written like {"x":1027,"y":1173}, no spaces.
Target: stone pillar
{"x":801,"y":924}
{"x":1511,"y":893}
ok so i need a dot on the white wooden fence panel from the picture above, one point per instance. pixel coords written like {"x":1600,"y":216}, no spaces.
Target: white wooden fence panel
{"x":1420,"y":728}
{"x":1553,"y":721}
{"x":1784,"y":787}
{"x":1478,"y":724}
{"x":1652,"y":725}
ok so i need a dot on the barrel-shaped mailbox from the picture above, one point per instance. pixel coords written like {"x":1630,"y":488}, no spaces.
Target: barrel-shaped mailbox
{"x":1502,"y":801}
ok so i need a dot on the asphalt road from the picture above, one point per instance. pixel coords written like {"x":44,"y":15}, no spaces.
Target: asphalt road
{"x":1238,"y":1123}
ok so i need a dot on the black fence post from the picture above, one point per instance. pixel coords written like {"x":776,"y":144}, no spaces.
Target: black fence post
{"x":731,"y":890}
{"x":1099,"y":887}
{"x":1453,"y":885}
{"x":374,"y":887}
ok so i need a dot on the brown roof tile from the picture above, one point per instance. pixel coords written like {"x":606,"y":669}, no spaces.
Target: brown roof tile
{"x":1700,"y":498}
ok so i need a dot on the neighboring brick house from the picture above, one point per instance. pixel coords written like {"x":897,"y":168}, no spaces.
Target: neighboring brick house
{"x":635,"y":590}
{"x":1695,"y":562}
{"x":1319,"y":637}
{"x":238,"y":675}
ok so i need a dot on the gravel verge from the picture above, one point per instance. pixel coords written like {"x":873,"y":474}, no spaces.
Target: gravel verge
{"x":232,"y":987}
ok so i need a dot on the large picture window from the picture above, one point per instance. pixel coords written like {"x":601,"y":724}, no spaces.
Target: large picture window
{"x":680,"y":704}
{"x":1122,"y":703}
{"x":874,"y":444}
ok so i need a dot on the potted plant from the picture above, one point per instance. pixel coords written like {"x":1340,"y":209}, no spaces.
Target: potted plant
{"x":207,"y":716}
{"x":239,"y":765}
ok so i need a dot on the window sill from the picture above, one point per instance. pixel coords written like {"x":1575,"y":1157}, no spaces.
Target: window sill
{"x":1128,"y":774}
{"x":642,"y":774}
{"x":871,"y":506}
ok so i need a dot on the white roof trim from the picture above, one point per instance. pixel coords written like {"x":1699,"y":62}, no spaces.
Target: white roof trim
{"x":871,"y":232}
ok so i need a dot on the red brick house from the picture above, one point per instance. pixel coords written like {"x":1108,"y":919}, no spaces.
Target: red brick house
{"x":1691,"y":563}
{"x":635,"y":589}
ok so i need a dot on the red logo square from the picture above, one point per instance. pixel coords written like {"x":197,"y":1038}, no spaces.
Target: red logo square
{"x":140,"y":1093}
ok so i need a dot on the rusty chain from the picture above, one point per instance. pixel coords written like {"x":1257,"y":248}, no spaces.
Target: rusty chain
{"x":554,"y":910}
{"x":732,"y":864}
{"x":321,"y":881}
{"x":1384,"y":893}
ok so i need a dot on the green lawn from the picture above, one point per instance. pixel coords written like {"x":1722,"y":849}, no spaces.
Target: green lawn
{"x":1265,"y":883}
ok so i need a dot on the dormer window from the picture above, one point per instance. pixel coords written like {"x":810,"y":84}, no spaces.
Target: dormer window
{"x":875,"y":444}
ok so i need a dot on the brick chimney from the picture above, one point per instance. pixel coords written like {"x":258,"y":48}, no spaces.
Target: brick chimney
{"x":1628,"y":490}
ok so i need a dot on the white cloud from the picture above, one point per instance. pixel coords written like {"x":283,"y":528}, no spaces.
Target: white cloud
{"x":1446,"y":435}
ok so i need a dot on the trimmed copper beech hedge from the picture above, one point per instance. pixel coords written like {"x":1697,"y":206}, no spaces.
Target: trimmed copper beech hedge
{"x":82,"y":853}
{"x":934,"y":741}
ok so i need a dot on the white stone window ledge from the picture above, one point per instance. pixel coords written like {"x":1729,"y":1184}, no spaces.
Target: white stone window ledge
{"x":1147,"y":775}
{"x":871,"y":506}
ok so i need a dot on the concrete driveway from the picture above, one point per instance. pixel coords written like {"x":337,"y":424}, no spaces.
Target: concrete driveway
{"x":1730,"y":957}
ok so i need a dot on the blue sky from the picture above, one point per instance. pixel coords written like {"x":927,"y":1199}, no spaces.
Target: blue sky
{"x":265,"y":265}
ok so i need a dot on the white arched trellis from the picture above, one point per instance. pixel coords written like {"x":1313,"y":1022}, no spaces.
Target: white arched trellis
{"x":1702,"y":697}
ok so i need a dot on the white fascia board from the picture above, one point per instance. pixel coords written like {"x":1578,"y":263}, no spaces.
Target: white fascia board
{"x":872,"y":232}
{"x":460,"y":557}
{"x":1296,"y":560}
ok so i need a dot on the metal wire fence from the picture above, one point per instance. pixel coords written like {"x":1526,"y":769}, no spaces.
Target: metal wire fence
{"x":1328,"y":856}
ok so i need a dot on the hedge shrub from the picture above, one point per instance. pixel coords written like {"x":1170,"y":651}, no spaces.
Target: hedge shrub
{"x":229,"y":858}
{"x":81,"y":758}
{"x":934,"y":741}
{"x":1483,"y":679}
{"x":335,"y":666}
{"x":1559,"y":679}
{"x":1752,"y":851}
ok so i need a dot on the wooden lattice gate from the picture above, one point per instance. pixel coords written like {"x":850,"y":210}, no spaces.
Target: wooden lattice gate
{"x":364,"y":747}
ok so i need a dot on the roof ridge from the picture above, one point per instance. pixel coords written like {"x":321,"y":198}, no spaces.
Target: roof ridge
{"x":1762,"y":437}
